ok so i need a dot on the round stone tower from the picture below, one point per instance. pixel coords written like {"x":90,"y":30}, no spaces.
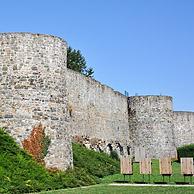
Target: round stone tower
{"x":33,"y":91}
{"x":151,"y":125}
{"x":183,"y":128}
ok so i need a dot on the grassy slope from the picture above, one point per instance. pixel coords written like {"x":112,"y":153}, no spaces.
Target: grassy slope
{"x":19,"y":173}
{"x":96,"y":164}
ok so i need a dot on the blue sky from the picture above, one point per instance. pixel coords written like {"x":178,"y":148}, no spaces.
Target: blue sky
{"x":141,"y":46}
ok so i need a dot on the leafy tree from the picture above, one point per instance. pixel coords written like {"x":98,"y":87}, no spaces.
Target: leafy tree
{"x":77,"y":62}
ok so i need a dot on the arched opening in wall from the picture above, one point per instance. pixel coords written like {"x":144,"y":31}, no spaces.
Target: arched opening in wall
{"x":120,"y":149}
{"x":128,"y":150}
{"x":70,"y":109}
{"x":110,"y":147}
{"x":99,"y":148}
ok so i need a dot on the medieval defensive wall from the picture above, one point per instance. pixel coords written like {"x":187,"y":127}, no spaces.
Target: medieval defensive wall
{"x":37,"y":90}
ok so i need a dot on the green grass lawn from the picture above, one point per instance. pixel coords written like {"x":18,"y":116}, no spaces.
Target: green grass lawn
{"x":106,"y":189}
{"x":155,"y":177}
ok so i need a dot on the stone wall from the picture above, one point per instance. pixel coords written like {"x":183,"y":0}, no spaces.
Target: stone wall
{"x":38,"y":93}
{"x":97,"y":111}
{"x":183,"y":128}
{"x":33,"y":91}
{"x":151,"y":125}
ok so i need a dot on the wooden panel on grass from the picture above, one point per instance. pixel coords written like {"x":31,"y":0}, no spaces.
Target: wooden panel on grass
{"x":165,"y":166}
{"x":126,"y":165}
{"x":174,"y":155}
{"x":187,"y":166}
{"x":145,"y":166}
{"x":139,"y":153}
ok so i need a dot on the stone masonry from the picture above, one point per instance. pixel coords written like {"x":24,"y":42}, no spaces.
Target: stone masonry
{"x":183,"y":128}
{"x":97,"y":111}
{"x":151,"y":124}
{"x":37,"y":89}
{"x":33,"y":91}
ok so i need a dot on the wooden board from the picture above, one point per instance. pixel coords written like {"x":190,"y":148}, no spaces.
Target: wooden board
{"x":165,"y":166}
{"x":174,"y":156}
{"x":187,"y":166}
{"x":139,"y":153}
{"x":126,"y":165}
{"x":145,"y":166}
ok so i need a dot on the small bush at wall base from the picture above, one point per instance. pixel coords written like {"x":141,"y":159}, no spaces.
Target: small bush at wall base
{"x":37,"y":143}
{"x":114,"y":155}
{"x":185,"y":151}
{"x":95,"y":163}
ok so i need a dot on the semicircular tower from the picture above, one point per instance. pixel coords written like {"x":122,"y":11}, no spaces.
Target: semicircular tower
{"x":183,"y":128}
{"x":151,"y":125}
{"x":33,"y":91}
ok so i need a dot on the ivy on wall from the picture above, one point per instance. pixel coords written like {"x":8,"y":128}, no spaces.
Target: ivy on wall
{"x":37,"y":143}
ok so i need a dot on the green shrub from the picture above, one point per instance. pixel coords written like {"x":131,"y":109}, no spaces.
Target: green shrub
{"x":114,"y":155}
{"x":95,"y":163}
{"x":186,"y":151}
{"x":20,"y":173}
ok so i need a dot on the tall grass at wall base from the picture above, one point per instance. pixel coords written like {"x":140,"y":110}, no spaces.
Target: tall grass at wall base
{"x":19,"y":173}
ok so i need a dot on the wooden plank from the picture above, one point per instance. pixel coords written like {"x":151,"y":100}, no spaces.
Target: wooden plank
{"x":174,"y":156}
{"x":165,"y":166}
{"x":126,"y":165}
{"x":139,"y":153}
{"x":145,"y":166}
{"x":187,"y":166}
